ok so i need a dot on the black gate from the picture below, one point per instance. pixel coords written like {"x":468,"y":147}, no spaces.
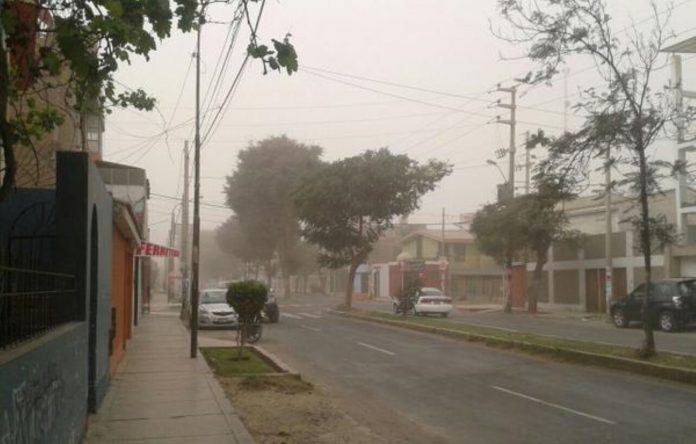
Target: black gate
{"x":34,"y":297}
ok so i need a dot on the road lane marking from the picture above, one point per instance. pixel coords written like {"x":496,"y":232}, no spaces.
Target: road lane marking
{"x":306,"y":327}
{"x":550,"y":404}
{"x":291,"y":316}
{"x":310,"y":315}
{"x":386,"y":352}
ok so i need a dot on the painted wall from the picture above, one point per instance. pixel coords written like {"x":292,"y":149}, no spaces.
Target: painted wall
{"x":121,"y":297}
{"x":43,"y":382}
{"x":82,"y":198}
{"x":44,"y":389}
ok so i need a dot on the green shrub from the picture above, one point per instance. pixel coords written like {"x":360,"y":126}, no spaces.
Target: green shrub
{"x":247,"y":298}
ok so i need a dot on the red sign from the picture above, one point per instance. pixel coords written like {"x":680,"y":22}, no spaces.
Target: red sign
{"x":150,"y":249}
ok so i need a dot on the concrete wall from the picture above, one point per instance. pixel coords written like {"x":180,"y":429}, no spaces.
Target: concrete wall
{"x":43,"y":382}
{"x":81,"y":199}
{"x":43,"y":396}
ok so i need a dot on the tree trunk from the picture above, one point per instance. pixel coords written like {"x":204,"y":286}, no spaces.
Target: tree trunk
{"x":648,"y":348}
{"x":322,"y":283}
{"x":349,"y":285}
{"x":287,"y":290}
{"x":508,"y":285}
{"x":536,"y":282}
{"x":269,"y":274}
{"x":8,"y":179}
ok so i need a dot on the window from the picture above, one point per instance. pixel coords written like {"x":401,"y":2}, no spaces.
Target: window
{"x":664,"y":291}
{"x":458,"y":252}
{"x":639,"y":293}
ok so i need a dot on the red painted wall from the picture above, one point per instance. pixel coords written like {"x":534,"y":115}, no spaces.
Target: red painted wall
{"x":430,"y":278}
{"x":121,"y":295}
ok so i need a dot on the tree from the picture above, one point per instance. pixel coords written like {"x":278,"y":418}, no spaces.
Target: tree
{"x":259,"y":192}
{"x":345,"y":206}
{"x":624,"y":115}
{"x":543,"y":224}
{"x":250,"y":250}
{"x":75,"y":48}
{"x":247,"y":298}
{"x":500,"y":233}
{"x":302,"y":263}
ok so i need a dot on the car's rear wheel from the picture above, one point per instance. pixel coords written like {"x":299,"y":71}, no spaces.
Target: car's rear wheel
{"x":668,"y":321}
{"x":618,"y":316}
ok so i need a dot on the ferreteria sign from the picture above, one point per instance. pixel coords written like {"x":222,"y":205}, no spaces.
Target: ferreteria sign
{"x":150,"y":249}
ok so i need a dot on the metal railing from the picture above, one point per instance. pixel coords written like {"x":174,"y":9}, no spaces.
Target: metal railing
{"x":33,"y":302}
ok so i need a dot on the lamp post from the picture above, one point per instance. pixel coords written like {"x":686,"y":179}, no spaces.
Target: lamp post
{"x":504,"y":190}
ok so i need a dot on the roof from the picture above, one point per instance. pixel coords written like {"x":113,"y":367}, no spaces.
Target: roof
{"x":685,"y":46}
{"x":107,"y":164}
{"x":126,"y":221}
{"x":461,"y":236}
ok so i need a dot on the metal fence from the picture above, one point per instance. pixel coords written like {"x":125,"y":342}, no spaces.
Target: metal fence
{"x":33,"y":302}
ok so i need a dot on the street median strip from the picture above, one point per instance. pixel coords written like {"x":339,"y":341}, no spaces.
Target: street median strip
{"x":670,"y":366}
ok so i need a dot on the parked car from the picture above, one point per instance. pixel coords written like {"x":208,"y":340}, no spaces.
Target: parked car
{"x":431,"y":300}
{"x":672,"y":300}
{"x":214,"y":311}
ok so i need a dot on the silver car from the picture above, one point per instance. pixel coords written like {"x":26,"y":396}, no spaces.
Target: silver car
{"x":214,"y":311}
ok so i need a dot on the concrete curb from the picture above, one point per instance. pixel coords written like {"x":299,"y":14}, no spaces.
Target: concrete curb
{"x":576,"y":356}
{"x":275,"y":360}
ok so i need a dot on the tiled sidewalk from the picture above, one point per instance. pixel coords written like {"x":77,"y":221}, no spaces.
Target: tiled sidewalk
{"x":161,"y":395}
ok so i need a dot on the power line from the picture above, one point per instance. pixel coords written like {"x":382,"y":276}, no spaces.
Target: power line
{"x":406,"y":98}
{"x":178,"y":199}
{"x":398,"y":85}
{"x":230,"y":42}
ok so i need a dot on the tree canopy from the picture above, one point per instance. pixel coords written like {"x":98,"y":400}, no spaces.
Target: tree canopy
{"x":346,"y":205}
{"x":76,"y":47}
{"x":624,"y":115}
{"x":259,"y":192}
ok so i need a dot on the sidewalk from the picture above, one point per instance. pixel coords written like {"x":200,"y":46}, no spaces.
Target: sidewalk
{"x":160,"y":395}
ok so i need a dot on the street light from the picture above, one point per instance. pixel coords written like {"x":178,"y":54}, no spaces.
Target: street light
{"x":495,"y":164}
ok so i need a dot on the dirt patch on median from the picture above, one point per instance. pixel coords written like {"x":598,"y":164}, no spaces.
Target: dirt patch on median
{"x":286,"y":409}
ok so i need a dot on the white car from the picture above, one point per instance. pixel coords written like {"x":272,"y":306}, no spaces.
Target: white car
{"x":214,"y":311}
{"x":431,"y":300}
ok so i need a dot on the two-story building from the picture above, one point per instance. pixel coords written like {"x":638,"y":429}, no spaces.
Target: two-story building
{"x":462,"y":271}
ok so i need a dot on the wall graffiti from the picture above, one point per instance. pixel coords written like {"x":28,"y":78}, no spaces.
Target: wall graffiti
{"x":34,"y":408}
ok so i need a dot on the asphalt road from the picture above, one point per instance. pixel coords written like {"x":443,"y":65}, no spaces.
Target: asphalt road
{"x":441,"y":390}
{"x":592,"y":329}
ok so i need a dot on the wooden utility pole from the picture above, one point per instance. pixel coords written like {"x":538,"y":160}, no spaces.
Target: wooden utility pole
{"x":608,"y":278}
{"x":185,"y":233}
{"x":512,"y":106}
{"x":527,"y":164}
{"x":195,"y":250}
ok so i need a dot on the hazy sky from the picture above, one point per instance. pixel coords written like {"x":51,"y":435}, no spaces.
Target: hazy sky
{"x":444,"y":46}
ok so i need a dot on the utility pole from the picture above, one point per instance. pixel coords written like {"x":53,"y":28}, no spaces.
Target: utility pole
{"x":608,"y":282}
{"x":527,"y":163}
{"x":195,"y":251}
{"x":512,"y":106}
{"x":185,"y":233}
{"x":443,"y":258}
{"x":170,"y":260}
{"x":566,"y":102}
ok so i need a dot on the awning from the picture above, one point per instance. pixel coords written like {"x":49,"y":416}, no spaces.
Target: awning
{"x":150,"y":249}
